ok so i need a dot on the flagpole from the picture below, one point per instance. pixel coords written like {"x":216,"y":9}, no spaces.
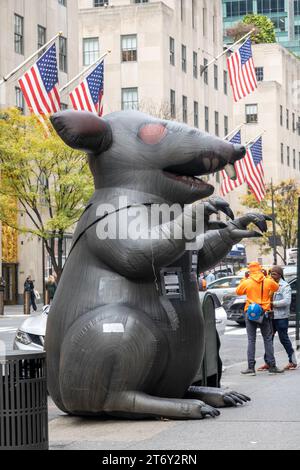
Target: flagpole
{"x":11,"y":74}
{"x":83,"y":72}
{"x":256,"y":138}
{"x":234,"y":131}
{"x":204,"y":67}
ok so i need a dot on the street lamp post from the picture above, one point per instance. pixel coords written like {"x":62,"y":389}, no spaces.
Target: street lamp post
{"x":274,"y":225}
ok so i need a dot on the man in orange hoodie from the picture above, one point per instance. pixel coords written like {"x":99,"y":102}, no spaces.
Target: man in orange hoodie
{"x":259,"y":290}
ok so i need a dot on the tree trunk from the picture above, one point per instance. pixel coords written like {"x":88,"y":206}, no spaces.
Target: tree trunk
{"x":60,"y":255}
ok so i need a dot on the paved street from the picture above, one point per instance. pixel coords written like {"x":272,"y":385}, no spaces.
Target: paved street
{"x":271,"y":420}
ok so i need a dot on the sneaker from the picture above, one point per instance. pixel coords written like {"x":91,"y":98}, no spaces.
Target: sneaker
{"x":263,"y":368}
{"x":275,"y":370}
{"x":248,"y":372}
{"x":291,"y":366}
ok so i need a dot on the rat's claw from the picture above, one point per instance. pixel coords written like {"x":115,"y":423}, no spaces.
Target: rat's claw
{"x":222,"y":206}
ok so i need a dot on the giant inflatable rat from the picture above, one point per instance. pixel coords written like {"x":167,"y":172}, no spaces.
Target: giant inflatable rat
{"x":119,"y":342}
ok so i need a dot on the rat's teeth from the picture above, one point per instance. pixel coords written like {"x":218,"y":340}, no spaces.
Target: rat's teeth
{"x":230,"y":171}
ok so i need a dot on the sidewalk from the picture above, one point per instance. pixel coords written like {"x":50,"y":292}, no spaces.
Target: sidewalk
{"x":270,"y":421}
{"x":11,"y":311}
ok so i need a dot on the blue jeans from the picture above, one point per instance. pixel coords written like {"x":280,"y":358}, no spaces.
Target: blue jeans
{"x":281,"y":326}
{"x":266,"y":332}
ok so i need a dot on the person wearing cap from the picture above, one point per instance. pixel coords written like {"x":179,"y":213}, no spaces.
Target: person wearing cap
{"x":281,"y":307}
{"x":259,"y":289}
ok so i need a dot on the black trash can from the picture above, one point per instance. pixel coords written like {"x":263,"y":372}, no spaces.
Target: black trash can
{"x":23,"y":401}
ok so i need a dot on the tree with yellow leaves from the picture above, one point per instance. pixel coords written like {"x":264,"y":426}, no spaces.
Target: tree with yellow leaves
{"x":285,"y":196}
{"x":42,"y":177}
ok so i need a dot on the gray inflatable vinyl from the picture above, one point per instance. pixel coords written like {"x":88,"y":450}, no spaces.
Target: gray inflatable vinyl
{"x":117,"y":342}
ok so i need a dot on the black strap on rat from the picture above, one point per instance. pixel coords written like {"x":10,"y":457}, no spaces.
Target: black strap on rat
{"x":99,"y":219}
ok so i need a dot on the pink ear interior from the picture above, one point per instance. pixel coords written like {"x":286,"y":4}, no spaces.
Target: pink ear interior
{"x":152,"y":134}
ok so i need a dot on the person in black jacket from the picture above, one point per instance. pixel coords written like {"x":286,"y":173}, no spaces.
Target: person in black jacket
{"x":29,"y":287}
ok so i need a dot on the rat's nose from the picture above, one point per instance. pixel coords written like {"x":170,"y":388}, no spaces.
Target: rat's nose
{"x":239,"y":151}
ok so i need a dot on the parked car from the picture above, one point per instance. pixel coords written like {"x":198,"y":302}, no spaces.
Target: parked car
{"x":234,"y":306}
{"x":31,"y":334}
{"x":220,"y":312}
{"x":290,"y":272}
{"x":224,"y":286}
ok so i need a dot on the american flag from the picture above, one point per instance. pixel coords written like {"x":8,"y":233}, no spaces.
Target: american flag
{"x":254,"y":173}
{"x":88,"y":95}
{"x":242,"y":71}
{"x":40,"y":85}
{"x":228,"y":184}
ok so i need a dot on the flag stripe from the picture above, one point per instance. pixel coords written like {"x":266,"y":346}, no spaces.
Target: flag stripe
{"x":87,"y":100}
{"x":73,"y":102}
{"x":242,"y":71}
{"x":39,"y":94}
{"x":252,"y":177}
{"x":40,"y":85}
{"x":88,"y":95}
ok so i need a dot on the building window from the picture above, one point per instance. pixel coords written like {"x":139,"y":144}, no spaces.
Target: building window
{"x":294,"y":159}
{"x":287,"y":119}
{"x":20,"y":103}
{"x":41,"y":34}
{"x":129,"y":48}
{"x":183,"y":58}
{"x":206,"y":118}
{"x":297,"y":30}
{"x":130,"y":99}
{"x":217,"y":129}
{"x":259,"y":73}
{"x":204,"y":23}
{"x":281,"y":115}
{"x":270,"y":6}
{"x":195,"y":64}
{"x":239,"y":8}
{"x":63,"y":106}
{"x":298,"y":125}
{"x":288,"y":156}
{"x":282,"y":154}
{"x":90,"y":50}
{"x":19,"y":34}
{"x":102,"y":3}
{"x":173,"y":104}
{"x":297,"y":7}
{"x":294,"y":122}
{"x":196,"y":114}
{"x":216,"y":84}
{"x":141,"y":1}
{"x":194,"y":14}
{"x":63,"y":58}
{"x":214,"y":24}
{"x":251,"y":113}
{"x":181,"y":10}
{"x":226,"y":126}
{"x":172,"y":51}
{"x":225,"y":81}
{"x":205,"y":73}
{"x":299,"y":160}
{"x":63,"y":2}
{"x":184,"y":109}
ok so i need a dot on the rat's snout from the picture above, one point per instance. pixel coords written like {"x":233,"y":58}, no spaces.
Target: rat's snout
{"x":239,"y":151}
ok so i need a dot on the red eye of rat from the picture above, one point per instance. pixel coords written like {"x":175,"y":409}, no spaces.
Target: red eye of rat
{"x":152,"y":134}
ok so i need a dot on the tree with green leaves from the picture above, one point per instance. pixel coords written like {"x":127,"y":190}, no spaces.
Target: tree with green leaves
{"x":264,"y":29}
{"x":43,"y":178}
{"x":285,"y":196}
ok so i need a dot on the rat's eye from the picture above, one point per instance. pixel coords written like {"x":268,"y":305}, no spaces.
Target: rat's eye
{"x":152,"y":134}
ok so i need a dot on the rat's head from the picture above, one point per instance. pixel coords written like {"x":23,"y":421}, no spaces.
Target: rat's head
{"x":132,"y":150}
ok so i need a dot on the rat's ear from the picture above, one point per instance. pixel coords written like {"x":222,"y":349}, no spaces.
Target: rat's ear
{"x":82,"y":130}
